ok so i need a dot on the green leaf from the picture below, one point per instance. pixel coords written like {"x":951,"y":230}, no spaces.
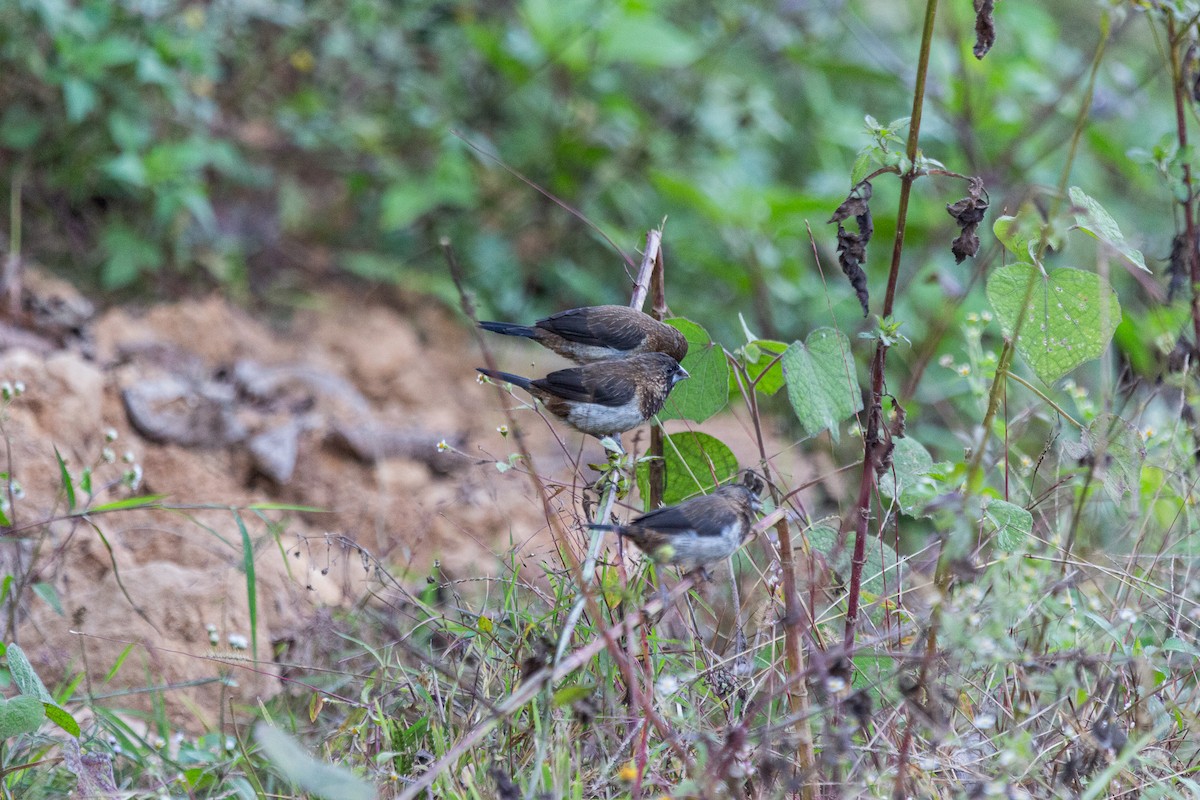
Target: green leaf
{"x":65,"y":476}
{"x":822,"y":382}
{"x":1091,"y":218}
{"x":128,"y":255}
{"x":24,"y":676}
{"x":571,"y":694}
{"x":862,"y":165}
{"x":47,"y":593}
{"x":1071,"y":318}
{"x":1117,"y":450}
{"x":760,"y":355}
{"x":909,"y":481}
{"x":294,"y":763}
{"x":126,"y":504}
{"x":1013,"y":524}
{"x":61,"y":717}
{"x":707,"y":390}
{"x":691,"y":461}
{"x":21,"y":714}
{"x":251,"y":582}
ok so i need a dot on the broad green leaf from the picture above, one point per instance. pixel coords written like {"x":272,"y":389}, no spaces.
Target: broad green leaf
{"x":21,"y":714}
{"x":1013,"y":524}
{"x":763,"y":355}
{"x":821,"y":380}
{"x":1117,"y":450}
{"x":707,"y":390}
{"x":909,"y":482}
{"x":1071,"y":318}
{"x":310,"y":774}
{"x":23,"y":675}
{"x":1091,"y":218}
{"x":691,"y":461}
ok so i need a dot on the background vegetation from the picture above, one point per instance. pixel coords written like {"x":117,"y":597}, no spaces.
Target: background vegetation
{"x":270,"y":148}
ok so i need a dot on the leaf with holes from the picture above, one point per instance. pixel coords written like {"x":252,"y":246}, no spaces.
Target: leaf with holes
{"x":821,"y":380}
{"x":1091,"y":218}
{"x":691,"y":461}
{"x":707,"y":390}
{"x":1013,"y":524}
{"x":1070,"y":319}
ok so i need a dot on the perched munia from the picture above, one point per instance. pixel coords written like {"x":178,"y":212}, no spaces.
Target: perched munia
{"x":604,"y":398}
{"x":594,"y":333}
{"x":698,"y":531}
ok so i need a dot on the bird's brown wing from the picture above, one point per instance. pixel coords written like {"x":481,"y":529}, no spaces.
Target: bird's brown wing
{"x":604,"y":383}
{"x":706,"y":515}
{"x":598,"y":326}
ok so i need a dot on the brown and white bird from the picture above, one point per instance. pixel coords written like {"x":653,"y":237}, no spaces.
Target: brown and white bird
{"x":698,"y":531}
{"x":593,"y":333}
{"x":604,"y":398}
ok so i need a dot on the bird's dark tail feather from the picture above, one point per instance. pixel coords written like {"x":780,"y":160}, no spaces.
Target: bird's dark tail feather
{"x":508,"y":329}
{"x":515,"y":380}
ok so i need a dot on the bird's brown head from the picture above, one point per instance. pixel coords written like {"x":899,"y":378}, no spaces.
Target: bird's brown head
{"x":672,"y":342}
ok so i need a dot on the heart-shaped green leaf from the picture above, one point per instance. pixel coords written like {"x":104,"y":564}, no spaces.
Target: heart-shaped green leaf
{"x":691,"y":460}
{"x":1071,"y":315}
{"x":707,"y":390}
{"x":21,"y":714}
{"x":821,"y":380}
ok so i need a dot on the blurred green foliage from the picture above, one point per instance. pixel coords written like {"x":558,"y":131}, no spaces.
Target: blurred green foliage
{"x":263,"y":147}
{"x":191,"y":138}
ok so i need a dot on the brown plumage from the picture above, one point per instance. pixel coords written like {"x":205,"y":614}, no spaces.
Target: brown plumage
{"x":604,"y":398}
{"x":696,"y":532}
{"x":594,"y":333}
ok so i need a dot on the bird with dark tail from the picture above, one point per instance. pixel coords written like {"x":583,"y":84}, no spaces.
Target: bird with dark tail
{"x":594,"y":333}
{"x":699,"y":531}
{"x":604,"y":398}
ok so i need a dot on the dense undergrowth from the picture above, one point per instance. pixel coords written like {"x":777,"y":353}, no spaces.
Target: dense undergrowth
{"x":1001,"y":600}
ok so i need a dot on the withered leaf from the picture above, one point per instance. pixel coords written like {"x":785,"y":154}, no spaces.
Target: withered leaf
{"x":985,"y":27}
{"x":852,"y":247}
{"x":968,"y":213}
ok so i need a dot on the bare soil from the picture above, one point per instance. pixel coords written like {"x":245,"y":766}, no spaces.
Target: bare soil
{"x":171,"y":583}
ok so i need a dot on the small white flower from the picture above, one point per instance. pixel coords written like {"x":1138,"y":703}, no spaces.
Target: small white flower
{"x":442,"y":446}
{"x":238,"y":642}
{"x":19,"y":387}
{"x":946,"y":361}
{"x":964,"y":370}
{"x":502,"y":430}
{"x":110,"y":435}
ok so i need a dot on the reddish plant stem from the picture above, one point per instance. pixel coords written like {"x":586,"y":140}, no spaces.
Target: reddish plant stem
{"x":873,"y":442}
